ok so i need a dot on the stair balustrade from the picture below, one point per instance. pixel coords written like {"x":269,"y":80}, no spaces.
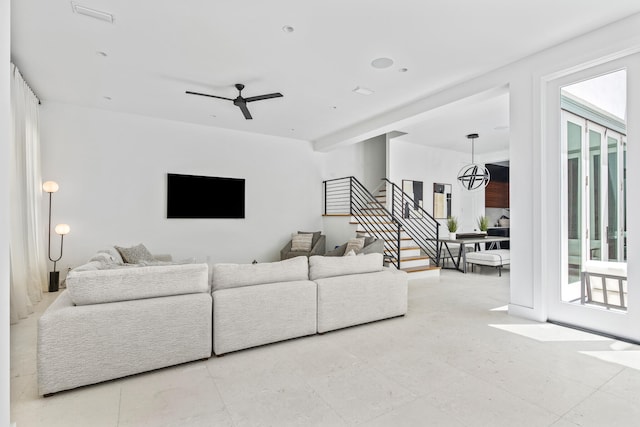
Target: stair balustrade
{"x":347,"y":196}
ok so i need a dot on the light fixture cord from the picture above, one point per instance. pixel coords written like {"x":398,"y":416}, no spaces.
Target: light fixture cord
{"x":473,"y":140}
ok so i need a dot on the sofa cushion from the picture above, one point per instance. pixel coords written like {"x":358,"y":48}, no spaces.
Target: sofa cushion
{"x":352,"y":300}
{"x":321,"y":267}
{"x":255,"y":315}
{"x":135,"y":254}
{"x":301,"y":242}
{"x":96,"y":286}
{"x":236,"y":275}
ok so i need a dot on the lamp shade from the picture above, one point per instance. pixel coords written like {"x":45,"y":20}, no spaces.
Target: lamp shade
{"x":63,"y":229}
{"x":50,"y":186}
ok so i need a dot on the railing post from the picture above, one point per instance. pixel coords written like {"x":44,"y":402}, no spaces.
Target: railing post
{"x":350,"y":195}
{"x":437,"y":243}
{"x":393,"y":201}
{"x":324,"y":184}
{"x":398,"y":242}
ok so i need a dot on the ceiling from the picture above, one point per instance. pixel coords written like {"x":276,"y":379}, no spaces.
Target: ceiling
{"x":447,"y":127}
{"x":156,"y":50}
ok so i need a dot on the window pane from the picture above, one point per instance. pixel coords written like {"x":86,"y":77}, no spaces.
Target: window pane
{"x":612,"y":199}
{"x":574,"y":193}
{"x":595,"y":216}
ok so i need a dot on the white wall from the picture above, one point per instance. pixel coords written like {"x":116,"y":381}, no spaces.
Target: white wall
{"x":365,"y":160}
{"x":112,"y":169}
{"x":430,"y":165}
{"x":5,"y":118}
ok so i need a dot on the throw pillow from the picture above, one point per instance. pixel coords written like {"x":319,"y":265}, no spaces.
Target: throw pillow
{"x":135,"y":254}
{"x":355,"y":244}
{"x":301,"y":242}
{"x":316,"y":236}
{"x":350,"y":253}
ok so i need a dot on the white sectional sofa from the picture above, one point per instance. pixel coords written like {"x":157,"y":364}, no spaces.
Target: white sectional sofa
{"x":113,"y":322}
{"x":116,"y":320}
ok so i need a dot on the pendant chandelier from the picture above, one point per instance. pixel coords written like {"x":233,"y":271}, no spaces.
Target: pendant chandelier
{"x":473,"y":176}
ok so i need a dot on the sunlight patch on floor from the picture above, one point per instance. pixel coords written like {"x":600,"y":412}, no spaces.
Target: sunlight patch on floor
{"x":549,"y":332}
{"x":630,"y":359}
{"x":503,"y":308}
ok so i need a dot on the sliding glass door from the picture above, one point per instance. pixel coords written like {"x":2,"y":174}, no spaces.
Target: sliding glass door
{"x":593,"y":288}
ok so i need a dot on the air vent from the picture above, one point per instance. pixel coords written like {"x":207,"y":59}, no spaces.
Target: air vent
{"x":92,"y":13}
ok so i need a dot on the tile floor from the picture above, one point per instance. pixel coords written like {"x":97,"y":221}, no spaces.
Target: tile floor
{"x":452,"y":361}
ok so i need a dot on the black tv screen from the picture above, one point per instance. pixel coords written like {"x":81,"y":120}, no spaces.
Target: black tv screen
{"x":191,"y":196}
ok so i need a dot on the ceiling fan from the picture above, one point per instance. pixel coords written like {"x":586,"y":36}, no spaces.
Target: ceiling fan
{"x":241,"y":102}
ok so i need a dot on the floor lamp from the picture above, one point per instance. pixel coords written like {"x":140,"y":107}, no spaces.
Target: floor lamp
{"x":61,"y":229}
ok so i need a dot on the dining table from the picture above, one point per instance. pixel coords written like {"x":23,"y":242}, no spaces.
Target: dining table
{"x":460,"y":261}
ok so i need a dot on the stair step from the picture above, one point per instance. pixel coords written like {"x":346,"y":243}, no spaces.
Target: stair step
{"x":433,"y":272}
{"x":414,"y":261}
{"x":342,"y":214}
{"x":418,"y":269}
{"x":376,"y":222}
{"x":409,"y":248}
{"x":412,"y":258}
{"x":401,"y":239}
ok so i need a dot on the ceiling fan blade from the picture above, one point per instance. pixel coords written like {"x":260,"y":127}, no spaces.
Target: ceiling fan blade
{"x":261,"y":97}
{"x":245,"y":110}
{"x":211,"y":96}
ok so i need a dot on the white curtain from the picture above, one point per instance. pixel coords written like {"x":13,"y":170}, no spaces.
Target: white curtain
{"x":26,"y":244}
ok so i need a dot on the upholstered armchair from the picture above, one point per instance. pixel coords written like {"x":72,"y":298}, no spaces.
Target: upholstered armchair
{"x":371,"y":245}
{"x":304,"y":244}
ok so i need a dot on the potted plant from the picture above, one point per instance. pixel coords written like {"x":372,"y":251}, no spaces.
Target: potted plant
{"x":452,"y":225}
{"x":483,"y":223}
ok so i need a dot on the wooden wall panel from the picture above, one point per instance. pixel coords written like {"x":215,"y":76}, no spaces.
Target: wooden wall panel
{"x":496,"y":195}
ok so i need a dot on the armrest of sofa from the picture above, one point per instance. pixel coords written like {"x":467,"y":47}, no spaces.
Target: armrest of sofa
{"x":375,"y":247}
{"x":320,"y":247}
{"x":339,"y":251}
{"x":284,"y":251}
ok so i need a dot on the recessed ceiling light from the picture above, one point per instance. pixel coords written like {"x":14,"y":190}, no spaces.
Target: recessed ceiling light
{"x":403,"y":70}
{"x":382,"y":63}
{"x":288,"y":29}
{"x":92,"y":13}
{"x":103,"y":54}
{"x":363,"y":90}
{"x":108,"y":98}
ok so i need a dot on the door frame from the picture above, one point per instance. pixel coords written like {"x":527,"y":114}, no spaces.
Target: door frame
{"x":555,"y":256}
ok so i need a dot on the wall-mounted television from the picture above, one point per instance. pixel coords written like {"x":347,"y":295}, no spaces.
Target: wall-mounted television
{"x":192,"y":196}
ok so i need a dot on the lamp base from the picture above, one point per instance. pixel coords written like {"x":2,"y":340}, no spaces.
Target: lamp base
{"x":54,"y":280}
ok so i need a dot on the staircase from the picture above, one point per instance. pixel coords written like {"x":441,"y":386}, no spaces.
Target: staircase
{"x":348,"y":197}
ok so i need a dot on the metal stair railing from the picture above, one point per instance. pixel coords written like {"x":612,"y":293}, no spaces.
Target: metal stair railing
{"x":348,"y":196}
{"x":424,"y":230}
